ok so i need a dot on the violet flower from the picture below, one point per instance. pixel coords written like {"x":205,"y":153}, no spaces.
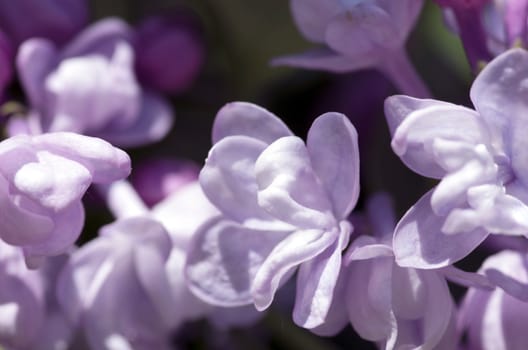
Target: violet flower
{"x":283,"y":205}
{"x":29,"y":314}
{"x":56,"y":20}
{"x":115,"y":290}
{"x":358,"y":34}
{"x":170,"y":52}
{"x":479,"y":158}
{"x":90,"y":87}
{"x":396,"y":307}
{"x":43,"y":179}
{"x":495,"y":319}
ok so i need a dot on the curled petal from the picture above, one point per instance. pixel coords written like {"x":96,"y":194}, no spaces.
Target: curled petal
{"x":224,"y":259}
{"x":334,"y":154}
{"x":152,"y":124}
{"x":289,"y":189}
{"x":228,"y":180}
{"x":316,"y":284}
{"x":297,"y":248}
{"x":415,"y":132}
{"x":105,"y":162}
{"x":248,"y":119}
{"x":419,"y":241}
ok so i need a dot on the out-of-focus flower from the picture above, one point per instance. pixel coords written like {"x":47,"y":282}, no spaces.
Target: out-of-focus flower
{"x":495,"y":319}
{"x":283,"y":206}
{"x":479,"y":156}
{"x":471,"y":26}
{"x":90,"y":87}
{"x":56,"y":20}
{"x":156,"y":179}
{"x":170,"y":52}
{"x":115,"y":289}
{"x":42,"y":181}
{"x":29,"y":313}
{"x":356,"y":35}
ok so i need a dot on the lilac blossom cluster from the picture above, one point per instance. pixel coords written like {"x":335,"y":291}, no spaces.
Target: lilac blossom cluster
{"x":268,"y":210}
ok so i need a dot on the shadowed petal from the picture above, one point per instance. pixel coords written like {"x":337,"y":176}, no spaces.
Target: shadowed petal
{"x":224,"y":258}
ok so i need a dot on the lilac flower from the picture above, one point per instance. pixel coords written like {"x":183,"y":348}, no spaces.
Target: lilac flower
{"x":495,"y":319}
{"x":28,"y":310}
{"x":479,"y":156}
{"x":42,"y":181}
{"x":358,"y":34}
{"x":170,"y":52}
{"x":182,"y":213}
{"x":57,"y":20}
{"x":90,"y":87}
{"x":283,"y":206}
{"x":115,"y":289}
{"x":396,"y":307}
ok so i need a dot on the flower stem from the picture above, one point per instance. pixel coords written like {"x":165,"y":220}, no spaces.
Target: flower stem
{"x":399,"y":69}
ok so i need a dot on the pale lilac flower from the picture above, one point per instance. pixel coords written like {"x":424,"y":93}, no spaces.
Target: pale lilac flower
{"x":115,"y":290}
{"x":283,"y":205}
{"x":29,"y":313}
{"x":57,"y":20}
{"x":42,"y":181}
{"x":495,"y":320}
{"x":155,"y":179}
{"x":358,"y":34}
{"x":396,"y":307}
{"x":182,"y":213}
{"x":479,"y":156}
{"x":90,"y":87}
{"x":170,"y":51}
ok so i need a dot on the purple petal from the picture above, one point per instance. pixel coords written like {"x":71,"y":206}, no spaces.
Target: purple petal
{"x":316,"y":283}
{"x":289,"y":189}
{"x":248,"y":119}
{"x":413,"y":138}
{"x":224,"y":258}
{"x":300,"y":246}
{"x":334,"y":154}
{"x":19,"y":225}
{"x":228,"y":180}
{"x":419,"y":241}
{"x":105,"y":162}
{"x":410,"y":293}
{"x":36,"y":58}
{"x":312,"y":17}
{"x":362,"y":33}
{"x":466,"y":279}
{"x":499,"y":94}
{"x":508,"y":270}
{"x":365,"y":248}
{"x":100,"y":37}
{"x":68,"y":225}
{"x":153,"y":123}
{"x":369,"y":298}
{"x":324,"y":59}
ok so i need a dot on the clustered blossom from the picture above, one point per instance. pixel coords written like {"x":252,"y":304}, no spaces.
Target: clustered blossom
{"x":271,"y":222}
